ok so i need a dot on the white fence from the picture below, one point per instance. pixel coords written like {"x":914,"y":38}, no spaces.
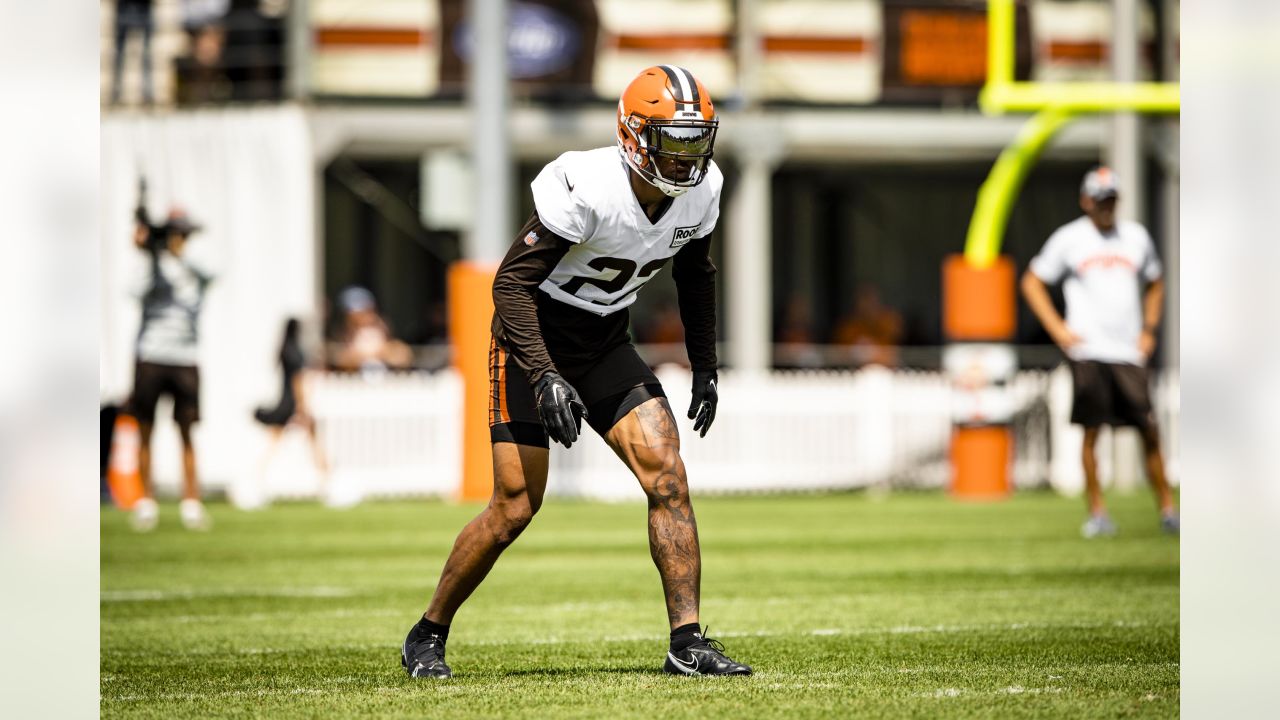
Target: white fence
{"x":399,"y":435}
{"x":789,"y":431}
{"x":389,"y":435}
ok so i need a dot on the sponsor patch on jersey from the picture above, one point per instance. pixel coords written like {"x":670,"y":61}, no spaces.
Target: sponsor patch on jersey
{"x":683,"y":235}
{"x":531,"y":238}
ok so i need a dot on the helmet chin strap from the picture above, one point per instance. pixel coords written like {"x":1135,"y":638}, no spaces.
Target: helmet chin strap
{"x":653,"y":178}
{"x":667,"y":188}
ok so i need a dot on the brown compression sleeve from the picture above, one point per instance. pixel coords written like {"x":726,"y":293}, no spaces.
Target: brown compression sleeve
{"x":515,"y":312}
{"x":695,"y":277}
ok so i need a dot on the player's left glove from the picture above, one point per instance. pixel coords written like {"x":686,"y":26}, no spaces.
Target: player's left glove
{"x":702,"y":409}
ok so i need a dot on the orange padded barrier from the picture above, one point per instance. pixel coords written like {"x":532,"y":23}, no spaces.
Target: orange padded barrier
{"x":980,"y":462}
{"x":978,"y":304}
{"x":470,"y":312}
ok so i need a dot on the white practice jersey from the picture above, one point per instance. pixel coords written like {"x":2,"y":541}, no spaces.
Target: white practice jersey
{"x":172,"y":295}
{"x":1104,"y":282}
{"x":586,"y":198}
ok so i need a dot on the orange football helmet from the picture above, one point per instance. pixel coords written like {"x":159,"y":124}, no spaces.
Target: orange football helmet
{"x":667,"y":128}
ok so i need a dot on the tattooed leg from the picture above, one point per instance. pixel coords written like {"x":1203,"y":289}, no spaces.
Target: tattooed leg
{"x":648,"y":442}
{"x":519,"y":480}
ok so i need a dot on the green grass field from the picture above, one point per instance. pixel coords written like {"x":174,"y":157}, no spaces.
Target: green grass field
{"x":847,"y":605}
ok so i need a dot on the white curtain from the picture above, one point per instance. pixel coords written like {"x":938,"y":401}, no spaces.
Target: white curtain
{"x":247,"y":176}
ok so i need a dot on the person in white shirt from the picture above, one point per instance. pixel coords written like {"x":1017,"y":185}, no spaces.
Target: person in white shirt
{"x":1109,"y":332}
{"x":167,"y":357}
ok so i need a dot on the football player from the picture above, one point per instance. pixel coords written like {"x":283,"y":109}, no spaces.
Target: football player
{"x":606,"y":221}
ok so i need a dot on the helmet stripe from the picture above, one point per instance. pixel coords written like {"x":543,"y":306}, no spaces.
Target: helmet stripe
{"x":683,"y":81}
{"x":693,"y":89}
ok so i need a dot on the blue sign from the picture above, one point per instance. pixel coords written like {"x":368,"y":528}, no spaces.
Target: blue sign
{"x":540,"y":41}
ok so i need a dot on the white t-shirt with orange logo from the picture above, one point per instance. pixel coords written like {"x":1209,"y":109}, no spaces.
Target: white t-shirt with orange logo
{"x":1104,"y":278}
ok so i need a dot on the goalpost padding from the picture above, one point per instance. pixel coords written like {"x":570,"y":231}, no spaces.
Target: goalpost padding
{"x":470,"y":312}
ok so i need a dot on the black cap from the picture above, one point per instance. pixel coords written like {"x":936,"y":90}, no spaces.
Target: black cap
{"x":179,"y":223}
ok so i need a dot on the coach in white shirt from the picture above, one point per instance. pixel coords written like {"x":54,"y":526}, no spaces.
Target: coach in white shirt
{"x":1109,"y":332}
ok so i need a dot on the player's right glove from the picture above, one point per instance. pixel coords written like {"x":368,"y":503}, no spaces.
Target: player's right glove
{"x":560,"y":408}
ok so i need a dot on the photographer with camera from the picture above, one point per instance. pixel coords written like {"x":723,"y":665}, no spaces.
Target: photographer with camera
{"x":167,"y":359}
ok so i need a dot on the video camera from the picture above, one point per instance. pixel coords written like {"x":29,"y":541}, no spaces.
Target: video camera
{"x":157,"y":235}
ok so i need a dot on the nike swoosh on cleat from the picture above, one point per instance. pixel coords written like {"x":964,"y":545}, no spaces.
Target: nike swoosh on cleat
{"x":684,"y":667}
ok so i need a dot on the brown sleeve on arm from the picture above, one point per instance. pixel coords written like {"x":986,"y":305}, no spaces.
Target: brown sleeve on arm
{"x":695,"y":277}
{"x":515,"y":312}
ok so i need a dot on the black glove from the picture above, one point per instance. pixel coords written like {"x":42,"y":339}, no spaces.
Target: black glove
{"x":705,"y":398}
{"x":560,"y":408}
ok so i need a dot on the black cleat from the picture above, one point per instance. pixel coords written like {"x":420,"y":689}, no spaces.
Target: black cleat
{"x":424,"y":657}
{"x":705,"y":657}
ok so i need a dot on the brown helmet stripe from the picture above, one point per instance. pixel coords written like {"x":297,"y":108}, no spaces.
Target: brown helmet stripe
{"x":684,"y":87}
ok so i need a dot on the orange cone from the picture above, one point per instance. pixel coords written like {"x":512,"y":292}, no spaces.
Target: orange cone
{"x":123,"y":476}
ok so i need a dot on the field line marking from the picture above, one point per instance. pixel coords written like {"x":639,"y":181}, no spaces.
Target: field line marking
{"x":151,"y":595}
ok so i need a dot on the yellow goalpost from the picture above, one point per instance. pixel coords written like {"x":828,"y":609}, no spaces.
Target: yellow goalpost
{"x":979,"y":302}
{"x":1055,"y":105}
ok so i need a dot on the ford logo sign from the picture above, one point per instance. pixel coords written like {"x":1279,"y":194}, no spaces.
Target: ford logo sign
{"x":540,"y":41}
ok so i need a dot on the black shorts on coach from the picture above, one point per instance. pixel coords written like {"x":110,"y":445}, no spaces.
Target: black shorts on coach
{"x":1114,"y":394}
{"x":151,"y":380}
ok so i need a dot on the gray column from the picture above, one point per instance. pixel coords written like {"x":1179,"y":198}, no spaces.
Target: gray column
{"x":1172,"y":189}
{"x":1124,"y":151}
{"x":748,"y":247}
{"x":749,"y":52}
{"x":1169,"y":244}
{"x":1124,"y":155}
{"x":488,"y":96}
{"x":298,"y":48}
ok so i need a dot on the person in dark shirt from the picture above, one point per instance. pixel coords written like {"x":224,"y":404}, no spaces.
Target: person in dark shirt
{"x":604,"y":225}
{"x":292,"y":407}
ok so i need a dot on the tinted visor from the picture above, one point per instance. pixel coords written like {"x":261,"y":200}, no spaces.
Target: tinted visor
{"x":681,"y":151}
{"x":683,"y":140}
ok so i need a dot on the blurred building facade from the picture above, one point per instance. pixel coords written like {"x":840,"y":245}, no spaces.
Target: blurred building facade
{"x":330,"y":141}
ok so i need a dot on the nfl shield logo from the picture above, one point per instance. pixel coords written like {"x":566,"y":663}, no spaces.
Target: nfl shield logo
{"x":531,"y":238}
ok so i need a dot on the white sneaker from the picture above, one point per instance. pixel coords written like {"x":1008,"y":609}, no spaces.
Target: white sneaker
{"x":145,"y":515}
{"x":1098,"y":526}
{"x":193,"y":515}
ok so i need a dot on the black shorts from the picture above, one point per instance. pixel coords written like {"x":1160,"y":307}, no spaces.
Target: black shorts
{"x":1111,"y":394}
{"x":611,"y":386}
{"x":151,"y":380}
